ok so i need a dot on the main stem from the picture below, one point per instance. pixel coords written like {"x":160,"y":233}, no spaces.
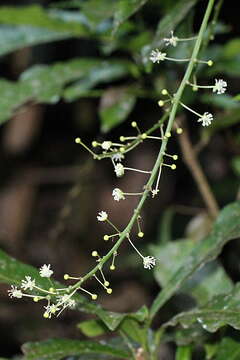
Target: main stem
{"x":160,"y":300}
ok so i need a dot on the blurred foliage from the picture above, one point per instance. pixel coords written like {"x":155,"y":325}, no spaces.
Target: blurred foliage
{"x":115,"y":69}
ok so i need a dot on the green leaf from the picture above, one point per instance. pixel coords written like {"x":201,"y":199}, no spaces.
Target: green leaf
{"x":184,"y":353}
{"x":236,"y":165}
{"x":223,"y":101}
{"x":221,"y":310}
{"x":115,"y":106}
{"x":228,"y":349}
{"x":226,"y":228}
{"x":203,"y":285}
{"x":169,"y":22}
{"x":43,"y":83}
{"x":55,"y":349}
{"x":92,"y":328}
{"x":125,"y":9}
{"x":134,"y":331}
{"x":36,"y":16}
{"x":16,"y":37}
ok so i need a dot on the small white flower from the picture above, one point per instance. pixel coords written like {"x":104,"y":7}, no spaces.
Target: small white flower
{"x":172,"y":40}
{"x":220,"y":86}
{"x":106,"y":145}
{"x":45,"y":271}
{"x":66,"y":301}
{"x":102,"y":216}
{"x":29,"y":283}
{"x":51,"y":309}
{"x":15,"y":292}
{"x":157,"y":56}
{"x":206,"y":119}
{"x":154,"y":192}
{"x":149,"y":262}
{"x":118,"y":156}
{"x":119,"y":170}
{"x":118,"y":194}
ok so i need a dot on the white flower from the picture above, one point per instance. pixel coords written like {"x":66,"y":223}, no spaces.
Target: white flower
{"x":118,"y":194}
{"x":157,"y":56}
{"x":66,"y":301}
{"x":220,"y":86}
{"x":45,"y":271}
{"x":50,"y":309}
{"x":119,"y":170}
{"x":172,"y":40}
{"x":102,"y":216}
{"x":118,"y":156}
{"x":206,"y":119}
{"x":15,"y":292}
{"x":149,"y":262}
{"x":29,"y":283}
{"x":106,"y":145}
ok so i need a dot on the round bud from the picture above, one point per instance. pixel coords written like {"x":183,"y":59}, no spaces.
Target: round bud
{"x":144,"y":136}
{"x":122,"y":149}
{"x":161,"y":103}
{"x":173,"y":167}
{"x":106,"y":237}
{"x":94,"y":296}
{"x":66,"y":276}
{"x":210,"y":63}
{"x":109,"y":291}
{"x":122,"y":138}
{"x":77,"y":140}
{"x":51,"y":290}
{"x":134,"y":124}
{"x":94,"y":253}
{"x":45,"y":315}
{"x":36,"y":299}
{"x":168,"y":134}
{"x":164,"y":92}
{"x":194,"y":88}
{"x":179,"y":131}
{"x":112,"y":267}
{"x":94,"y":144}
{"x":175,"y":157}
{"x":106,"y":283}
{"x":140,"y":234}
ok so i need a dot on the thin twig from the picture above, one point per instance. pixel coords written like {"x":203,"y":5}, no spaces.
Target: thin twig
{"x":192,"y":162}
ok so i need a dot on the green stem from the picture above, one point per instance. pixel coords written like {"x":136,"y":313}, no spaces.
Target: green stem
{"x":160,"y":300}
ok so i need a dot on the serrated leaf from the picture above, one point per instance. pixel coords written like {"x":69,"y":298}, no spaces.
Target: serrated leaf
{"x":115,"y":106}
{"x":134,"y":331}
{"x":203,"y":285}
{"x":56,"y":349}
{"x":36,"y":16}
{"x":220,"y":311}
{"x":226,"y":228}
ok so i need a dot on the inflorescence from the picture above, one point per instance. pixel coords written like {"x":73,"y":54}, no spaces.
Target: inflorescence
{"x":58,"y":299}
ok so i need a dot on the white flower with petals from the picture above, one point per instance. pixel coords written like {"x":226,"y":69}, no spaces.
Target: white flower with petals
{"x":29,"y":283}
{"x":15,"y":292}
{"x":45,"y":271}
{"x":106,"y":145}
{"x":149,"y":262}
{"x":119,"y":170}
{"x":66,"y":301}
{"x":118,"y":194}
{"x":157,"y":56}
{"x":102,"y":216}
{"x":220,"y":86}
{"x":172,"y":40}
{"x":118,"y":156}
{"x":206,"y":119}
